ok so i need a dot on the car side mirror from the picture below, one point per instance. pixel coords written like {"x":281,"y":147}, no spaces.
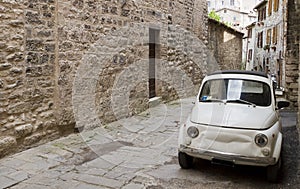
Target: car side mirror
{"x":283,"y":104}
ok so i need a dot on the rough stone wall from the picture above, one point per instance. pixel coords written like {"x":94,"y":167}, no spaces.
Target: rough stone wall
{"x":292,"y":51}
{"x":225,"y":45}
{"x":27,"y":84}
{"x":80,"y":26}
{"x":46,"y":44}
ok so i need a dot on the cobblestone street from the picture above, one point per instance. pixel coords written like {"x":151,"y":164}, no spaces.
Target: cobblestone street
{"x":138,"y":152}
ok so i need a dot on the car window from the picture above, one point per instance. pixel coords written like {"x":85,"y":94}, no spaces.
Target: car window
{"x":236,"y":91}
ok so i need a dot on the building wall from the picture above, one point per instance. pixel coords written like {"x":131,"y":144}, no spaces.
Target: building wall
{"x":239,"y":15}
{"x":27,"y":72}
{"x":241,"y":5}
{"x":237,"y":19}
{"x":65,"y":63}
{"x":292,"y":52}
{"x":250,"y":45}
{"x":218,"y":4}
{"x":270,"y":57}
{"x":225,"y":45}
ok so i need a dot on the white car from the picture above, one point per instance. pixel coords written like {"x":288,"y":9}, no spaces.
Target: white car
{"x":235,"y":120}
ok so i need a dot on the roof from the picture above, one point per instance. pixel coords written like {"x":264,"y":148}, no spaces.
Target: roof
{"x":233,"y":10}
{"x":262,"y":74}
{"x":225,"y":26}
{"x":261,"y":4}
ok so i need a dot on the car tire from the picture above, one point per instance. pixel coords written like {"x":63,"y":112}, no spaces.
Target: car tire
{"x":185,"y":161}
{"x":273,"y":171}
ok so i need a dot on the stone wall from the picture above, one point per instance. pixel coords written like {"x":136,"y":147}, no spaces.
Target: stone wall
{"x":27,"y":64}
{"x":225,"y":45}
{"x":292,"y":51}
{"x":68,"y":62}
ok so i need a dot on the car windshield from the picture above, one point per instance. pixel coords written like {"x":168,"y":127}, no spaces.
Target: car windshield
{"x":236,"y":91}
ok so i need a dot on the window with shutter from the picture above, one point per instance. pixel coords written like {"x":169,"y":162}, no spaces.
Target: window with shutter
{"x":270,"y":7}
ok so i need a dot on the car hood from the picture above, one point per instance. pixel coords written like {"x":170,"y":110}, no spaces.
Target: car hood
{"x":233,"y":115}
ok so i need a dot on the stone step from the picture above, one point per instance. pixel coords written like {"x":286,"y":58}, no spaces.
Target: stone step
{"x":154,"y":101}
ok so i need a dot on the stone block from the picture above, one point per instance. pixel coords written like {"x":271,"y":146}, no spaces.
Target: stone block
{"x":292,"y":67}
{"x":20,"y":107}
{"x":16,"y":71}
{"x":293,"y":86}
{"x":5,"y":66}
{"x":33,"y":139}
{"x":50,"y":48}
{"x":1,"y":84}
{"x":8,"y":145}
{"x":47,"y":70}
{"x":33,"y":18}
{"x":34,"y":45}
{"x":32,"y":58}
{"x":33,"y":71}
{"x":16,"y":23}
{"x":23,"y":130}
{"x":43,"y":59}
{"x":47,"y":114}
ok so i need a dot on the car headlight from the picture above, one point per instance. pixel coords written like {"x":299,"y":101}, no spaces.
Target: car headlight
{"x":261,"y":140}
{"x":193,"y":132}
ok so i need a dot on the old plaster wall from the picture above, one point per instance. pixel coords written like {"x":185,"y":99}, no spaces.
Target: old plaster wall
{"x":225,"y":46}
{"x":45,"y":44}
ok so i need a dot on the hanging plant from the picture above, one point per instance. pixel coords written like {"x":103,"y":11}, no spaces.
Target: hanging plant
{"x":266,"y":47}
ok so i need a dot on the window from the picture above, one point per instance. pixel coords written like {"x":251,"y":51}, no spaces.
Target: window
{"x":268,"y":42}
{"x":250,"y":54}
{"x":208,"y":3}
{"x":232,"y":2}
{"x":262,"y":14}
{"x":225,"y":11}
{"x":222,"y":2}
{"x":275,"y":35}
{"x":276,"y":5}
{"x":260,"y":40}
{"x":234,"y":18}
{"x":259,"y":15}
{"x":270,"y":7}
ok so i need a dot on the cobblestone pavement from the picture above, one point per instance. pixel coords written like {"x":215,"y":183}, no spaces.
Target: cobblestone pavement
{"x":135,"y":153}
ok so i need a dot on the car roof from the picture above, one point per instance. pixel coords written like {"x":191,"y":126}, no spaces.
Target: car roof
{"x":244,"y":72}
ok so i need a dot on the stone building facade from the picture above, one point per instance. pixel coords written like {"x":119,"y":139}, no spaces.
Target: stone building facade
{"x":250,"y":46}
{"x":269,"y":39}
{"x":89,"y":62}
{"x":292,"y":51}
{"x":225,"y":45}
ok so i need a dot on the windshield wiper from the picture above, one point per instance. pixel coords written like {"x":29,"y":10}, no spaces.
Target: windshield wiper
{"x":213,"y":100}
{"x":242,"y":101}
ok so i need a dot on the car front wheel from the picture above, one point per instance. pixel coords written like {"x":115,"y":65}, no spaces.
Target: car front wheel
{"x":273,"y":171}
{"x":185,"y":161}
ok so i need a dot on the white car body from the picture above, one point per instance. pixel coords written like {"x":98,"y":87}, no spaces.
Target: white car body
{"x":227,"y":131}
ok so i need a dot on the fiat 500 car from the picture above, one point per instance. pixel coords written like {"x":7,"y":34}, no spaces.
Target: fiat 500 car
{"x":235,"y":120}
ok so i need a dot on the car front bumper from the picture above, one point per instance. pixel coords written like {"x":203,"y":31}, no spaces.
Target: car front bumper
{"x":232,"y":158}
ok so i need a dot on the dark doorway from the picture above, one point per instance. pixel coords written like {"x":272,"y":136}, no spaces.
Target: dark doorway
{"x":153,"y":55}
{"x":279,"y":73}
